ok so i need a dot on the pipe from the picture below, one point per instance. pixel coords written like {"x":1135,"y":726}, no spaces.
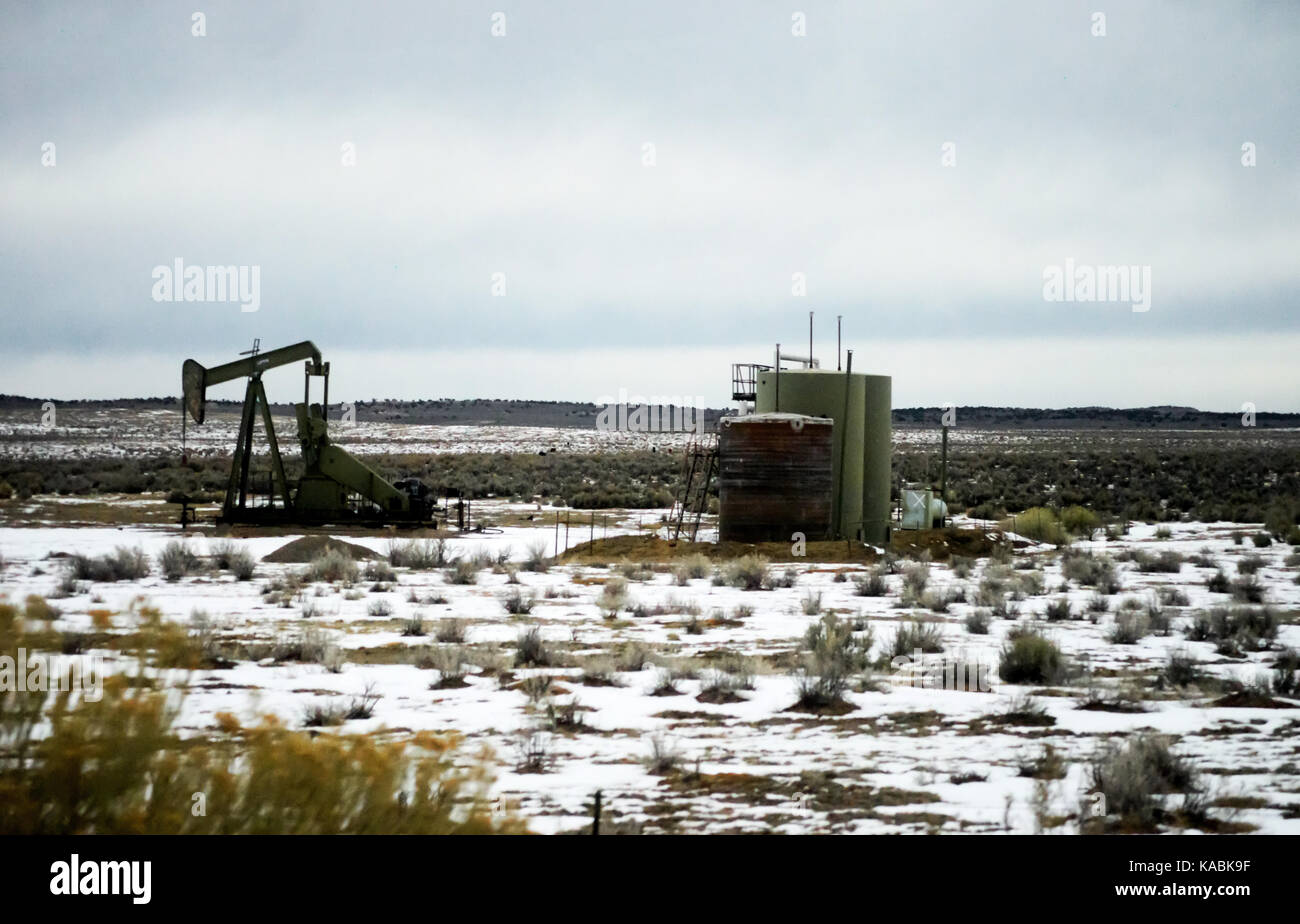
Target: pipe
{"x":943,"y":477}
{"x":844,"y":432}
{"x":810,"y":333}
{"x":776,"y":366}
{"x":839,"y":330}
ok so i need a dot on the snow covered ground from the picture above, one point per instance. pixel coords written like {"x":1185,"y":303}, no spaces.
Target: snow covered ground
{"x":124,"y":432}
{"x":906,"y":758}
{"x":131,"y":433}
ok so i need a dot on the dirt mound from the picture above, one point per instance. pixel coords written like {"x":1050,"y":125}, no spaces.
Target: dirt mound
{"x":1249,"y":699}
{"x":941,"y":543}
{"x":308,"y":547}
{"x":654,"y":549}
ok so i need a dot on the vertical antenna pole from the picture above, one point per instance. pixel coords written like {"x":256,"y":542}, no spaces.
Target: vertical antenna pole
{"x":839,"y":327}
{"x":843,"y":425}
{"x":810,"y":332}
{"x":943,"y":476}
{"x":776,"y":367}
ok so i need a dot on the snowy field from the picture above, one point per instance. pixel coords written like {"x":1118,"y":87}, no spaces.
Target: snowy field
{"x":128,"y":433}
{"x":109,"y":432}
{"x":905,"y":758}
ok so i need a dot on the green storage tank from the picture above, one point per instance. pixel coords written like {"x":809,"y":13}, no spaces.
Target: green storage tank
{"x":860,"y":463}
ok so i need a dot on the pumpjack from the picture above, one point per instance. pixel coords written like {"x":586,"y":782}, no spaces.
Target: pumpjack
{"x":336,"y":487}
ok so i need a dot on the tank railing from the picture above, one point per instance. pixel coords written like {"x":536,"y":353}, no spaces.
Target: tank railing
{"x":744,"y":380}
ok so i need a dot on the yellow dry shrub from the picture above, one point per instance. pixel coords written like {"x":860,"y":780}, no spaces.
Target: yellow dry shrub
{"x":1079,"y":520}
{"x":162,"y":644}
{"x":1039,"y":524}
{"x":116,"y":766}
{"x":38,"y":609}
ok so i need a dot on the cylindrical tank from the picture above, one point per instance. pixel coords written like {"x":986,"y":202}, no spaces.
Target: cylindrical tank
{"x":860,"y":406}
{"x":774,"y":477}
{"x":877,"y":457}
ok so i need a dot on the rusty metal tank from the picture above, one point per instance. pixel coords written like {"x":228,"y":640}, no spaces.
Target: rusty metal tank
{"x":774,"y":477}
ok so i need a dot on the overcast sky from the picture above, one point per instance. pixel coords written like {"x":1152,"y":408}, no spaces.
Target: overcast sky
{"x":651,"y":269}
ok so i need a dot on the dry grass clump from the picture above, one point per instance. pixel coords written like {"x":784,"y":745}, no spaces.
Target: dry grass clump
{"x":613,"y":596}
{"x":517,"y":603}
{"x":634,"y":656}
{"x":122,"y":564}
{"x":537,"y":560}
{"x":1235,"y":629}
{"x":749,"y":572}
{"x":1249,"y":564}
{"x":1132,"y":776}
{"x":1181,"y":670}
{"x":418,"y":554}
{"x":1090,"y":570}
{"x":1129,"y":628}
{"x":916,"y":576}
{"x":178,"y":560}
{"x":1039,"y":524}
{"x":531,"y":649}
{"x":331,"y":566}
{"x":1058,"y":610}
{"x":451,"y":664}
{"x":978,"y":621}
{"x":664,"y":754}
{"x":872,"y":584}
{"x":1247,"y":589}
{"x":1167,"y":562}
{"x":693,"y":567}
{"x":451,"y":629}
{"x":914,"y":636}
{"x":117,"y":766}
{"x":1030,"y":658}
{"x":463,"y":571}
{"x":785,"y":579}
{"x":533,"y":751}
{"x":832,"y":656}
{"x":599,"y":671}
{"x":227,"y":556}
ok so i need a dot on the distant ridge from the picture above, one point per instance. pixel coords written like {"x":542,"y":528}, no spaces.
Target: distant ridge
{"x":503,"y":412}
{"x":1168,"y":417}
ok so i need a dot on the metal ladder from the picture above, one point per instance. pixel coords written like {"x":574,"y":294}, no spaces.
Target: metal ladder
{"x":699,"y":465}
